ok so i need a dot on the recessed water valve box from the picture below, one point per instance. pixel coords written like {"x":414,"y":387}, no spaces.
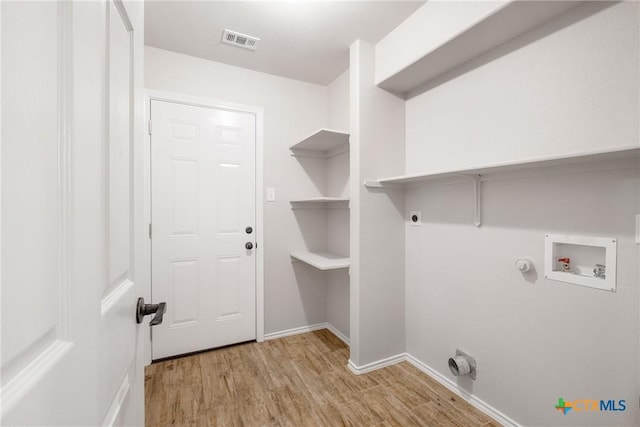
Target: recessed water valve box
{"x":581,"y":260}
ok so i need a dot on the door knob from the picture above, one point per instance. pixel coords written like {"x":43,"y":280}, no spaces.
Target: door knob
{"x":248,"y":245}
{"x":143,"y":309}
{"x":248,"y":230}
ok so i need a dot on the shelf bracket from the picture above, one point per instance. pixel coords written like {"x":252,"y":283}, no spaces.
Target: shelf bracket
{"x":477,"y":198}
{"x":372,"y":184}
{"x":386,"y":185}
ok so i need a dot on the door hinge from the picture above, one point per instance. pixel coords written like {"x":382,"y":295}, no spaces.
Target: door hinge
{"x":149,"y":127}
{"x":149,"y":230}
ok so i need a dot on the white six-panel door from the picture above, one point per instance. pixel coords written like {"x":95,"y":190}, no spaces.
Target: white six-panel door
{"x":203,"y":200}
{"x":71,"y":216}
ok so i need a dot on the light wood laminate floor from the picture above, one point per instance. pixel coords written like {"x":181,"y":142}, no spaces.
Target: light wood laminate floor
{"x":301,"y":380}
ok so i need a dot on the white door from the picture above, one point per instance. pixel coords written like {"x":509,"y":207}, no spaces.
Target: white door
{"x":71,"y":221}
{"x":203,"y":201}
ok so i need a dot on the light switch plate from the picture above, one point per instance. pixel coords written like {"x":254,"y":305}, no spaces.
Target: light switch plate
{"x":271,"y":194}
{"x":637,"y":229}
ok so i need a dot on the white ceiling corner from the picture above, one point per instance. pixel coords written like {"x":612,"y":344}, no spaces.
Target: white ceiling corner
{"x":302,"y":40}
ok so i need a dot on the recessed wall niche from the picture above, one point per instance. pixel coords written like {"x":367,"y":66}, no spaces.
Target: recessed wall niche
{"x":581,"y":260}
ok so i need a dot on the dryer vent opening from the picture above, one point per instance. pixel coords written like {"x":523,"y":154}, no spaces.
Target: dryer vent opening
{"x":462,"y":364}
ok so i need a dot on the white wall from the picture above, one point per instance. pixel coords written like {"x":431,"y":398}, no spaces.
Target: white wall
{"x":574,"y":90}
{"x":377,"y":230}
{"x":338,"y":103}
{"x":535,"y":340}
{"x":337,"y":181}
{"x":294,"y":292}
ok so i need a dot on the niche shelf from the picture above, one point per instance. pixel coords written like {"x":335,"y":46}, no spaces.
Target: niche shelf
{"x":323,"y":143}
{"x":322,"y":260}
{"x":488,"y":32}
{"x":474,"y":174}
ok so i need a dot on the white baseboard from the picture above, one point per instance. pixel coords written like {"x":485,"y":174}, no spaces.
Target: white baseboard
{"x":310,"y":328}
{"x":435,"y":375}
{"x":294,"y":331}
{"x":473,"y":400}
{"x":391,"y":360}
{"x":338,"y":334}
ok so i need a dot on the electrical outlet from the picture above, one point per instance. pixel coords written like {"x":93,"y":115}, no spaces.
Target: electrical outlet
{"x":271,"y":194}
{"x":415,"y":218}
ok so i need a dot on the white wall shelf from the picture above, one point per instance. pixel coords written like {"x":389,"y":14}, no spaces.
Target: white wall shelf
{"x":323,"y":143}
{"x":486,"y":33}
{"x":475,"y":173}
{"x":322,"y":260}
{"x":320,"y":202}
{"x":594,"y":156}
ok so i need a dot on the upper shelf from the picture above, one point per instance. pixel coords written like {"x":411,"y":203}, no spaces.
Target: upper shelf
{"x":322,"y":143}
{"x":488,"y":32}
{"x":593,"y":156}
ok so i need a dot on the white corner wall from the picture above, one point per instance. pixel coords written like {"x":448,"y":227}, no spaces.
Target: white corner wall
{"x":535,"y":340}
{"x":338,"y":103}
{"x":337,"y":182}
{"x":377,"y":230}
{"x":294,"y":293}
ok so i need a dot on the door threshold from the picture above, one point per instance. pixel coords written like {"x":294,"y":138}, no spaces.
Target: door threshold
{"x":179,"y":356}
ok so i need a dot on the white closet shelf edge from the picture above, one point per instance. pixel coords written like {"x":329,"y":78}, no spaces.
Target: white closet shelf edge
{"x":322,"y":143}
{"x":320,"y":200}
{"x":322,"y":260}
{"x":539,"y":162}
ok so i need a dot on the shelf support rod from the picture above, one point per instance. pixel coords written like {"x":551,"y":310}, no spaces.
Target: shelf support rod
{"x":477,"y":198}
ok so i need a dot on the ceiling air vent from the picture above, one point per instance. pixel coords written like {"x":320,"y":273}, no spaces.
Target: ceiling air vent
{"x":241,"y":40}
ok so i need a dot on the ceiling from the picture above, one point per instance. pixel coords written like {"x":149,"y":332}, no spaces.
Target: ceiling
{"x":303,"y":40}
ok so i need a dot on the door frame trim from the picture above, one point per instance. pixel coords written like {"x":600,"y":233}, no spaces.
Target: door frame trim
{"x":155,"y":95}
